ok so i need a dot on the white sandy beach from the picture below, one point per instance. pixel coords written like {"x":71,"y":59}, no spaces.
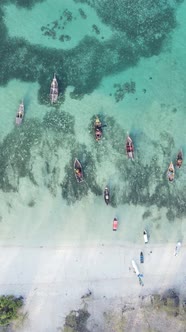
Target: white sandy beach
{"x":53,"y":279}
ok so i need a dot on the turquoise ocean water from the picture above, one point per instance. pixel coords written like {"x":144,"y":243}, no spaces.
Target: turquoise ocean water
{"x":123,"y":61}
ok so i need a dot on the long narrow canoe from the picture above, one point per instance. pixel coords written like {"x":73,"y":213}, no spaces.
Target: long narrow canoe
{"x":179,"y":159}
{"x":129,"y":148}
{"x":54,"y":90}
{"x":78,"y":171}
{"x":170,"y":172}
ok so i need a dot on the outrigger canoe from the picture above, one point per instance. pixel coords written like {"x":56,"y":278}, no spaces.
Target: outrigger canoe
{"x":115,"y":224}
{"x":98,"y":129}
{"x":20,"y":114}
{"x":129,"y":148}
{"x":106,"y":195}
{"x":170,"y":172}
{"x":78,"y":171}
{"x":179,"y":159}
{"x":54,"y":90}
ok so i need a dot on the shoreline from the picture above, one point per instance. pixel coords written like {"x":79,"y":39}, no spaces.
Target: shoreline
{"x":53,"y":281}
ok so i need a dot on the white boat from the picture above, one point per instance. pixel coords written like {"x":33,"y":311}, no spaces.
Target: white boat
{"x":135,"y":268}
{"x":20,"y":114}
{"x":177,"y":249}
{"x":145,"y":236}
{"x":171,"y":172}
{"x":54,"y":90}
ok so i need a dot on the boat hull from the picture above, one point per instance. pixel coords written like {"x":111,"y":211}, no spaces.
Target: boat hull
{"x":171,"y":172}
{"x":177,"y":249}
{"x":129,"y":148}
{"x":135,"y":268}
{"x":106,"y":196}
{"x":145,"y":236}
{"x":179,"y":159}
{"x":98,"y":129}
{"x":78,"y":171}
{"x":20,"y":114}
{"x":141,"y":257}
{"x":115,"y":225}
{"x":54,"y":90}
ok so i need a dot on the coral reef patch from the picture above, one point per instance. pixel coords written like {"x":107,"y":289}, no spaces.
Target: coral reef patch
{"x":138,"y":31}
{"x":122,"y":89}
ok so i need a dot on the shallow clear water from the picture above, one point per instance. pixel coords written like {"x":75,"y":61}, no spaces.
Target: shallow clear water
{"x":95,"y":50}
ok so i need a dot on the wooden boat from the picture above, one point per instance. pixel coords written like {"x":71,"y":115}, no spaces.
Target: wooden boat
{"x":145,"y":236}
{"x":106,"y":195}
{"x":179,"y":159}
{"x":54,"y":90}
{"x":78,"y":171}
{"x":170,"y":172}
{"x":129,"y":148}
{"x":115,"y":224}
{"x":20,"y":114}
{"x":141,"y":257}
{"x":98,"y":129}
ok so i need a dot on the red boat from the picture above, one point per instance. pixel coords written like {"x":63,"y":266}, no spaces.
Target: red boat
{"x":115,"y":224}
{"x":129,"y":148}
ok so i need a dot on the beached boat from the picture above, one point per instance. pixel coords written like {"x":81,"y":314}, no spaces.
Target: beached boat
{"x":129,"y":148}
{"x":141,"y":257}
{"x":78,"y":171}
{"x":98,"y":129}
{"x":106,"y":195}
{"x":20,"y":114}
{"x":136,"y":270}
{"x":177,"y":249}
{"x":170,"y":172}
{"x":145,"y":236}
{"x":54,"y":90}
{"x":115,"y":224}
{"x":179,"y":159}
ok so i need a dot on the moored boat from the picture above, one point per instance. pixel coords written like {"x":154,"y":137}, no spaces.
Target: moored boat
{"x":78,"y":171}
{"x":179,"y":159}
{"x":20,"y":114}
{"x":106,"y":195}
{"x":170,"y":172}
{"x":54,"y":90}
{"x":115,"y":224}
{"x":129,"y":147}
{"x":145,"y":236}
{"x":98,"y":129}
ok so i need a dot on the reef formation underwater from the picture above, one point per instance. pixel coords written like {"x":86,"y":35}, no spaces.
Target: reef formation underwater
{"x":83,"y":67}
{"x":139,"y":30}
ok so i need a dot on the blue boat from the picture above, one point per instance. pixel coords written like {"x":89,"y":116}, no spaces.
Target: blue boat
{"x":141,"y":257}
